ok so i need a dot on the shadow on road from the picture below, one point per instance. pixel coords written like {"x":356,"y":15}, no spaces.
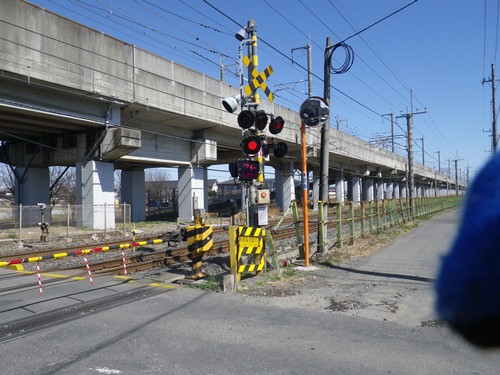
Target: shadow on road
{"x":384,"y":274}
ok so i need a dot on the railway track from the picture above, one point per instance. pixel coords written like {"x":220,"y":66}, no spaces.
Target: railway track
{"x":158,"y":259}
{"x":172,"y":255}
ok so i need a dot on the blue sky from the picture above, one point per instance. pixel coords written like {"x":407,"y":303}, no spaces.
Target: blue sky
{"x":438,"y":50}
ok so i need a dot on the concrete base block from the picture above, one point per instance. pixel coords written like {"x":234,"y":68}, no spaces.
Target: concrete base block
{"x":229,"y":284}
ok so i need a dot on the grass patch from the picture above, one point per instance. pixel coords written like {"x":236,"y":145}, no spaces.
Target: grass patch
{"x":210,"y":284}
{"x":289,"y":272}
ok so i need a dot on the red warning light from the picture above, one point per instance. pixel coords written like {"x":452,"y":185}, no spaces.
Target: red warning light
{"x":251,"y":145}
{"x":277,"y":124}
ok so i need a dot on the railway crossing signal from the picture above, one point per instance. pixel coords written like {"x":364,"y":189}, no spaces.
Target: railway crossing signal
{"x":277,"y":124}
{"x":260,"y":120}
{"x":251,"y":145}
{"x":255,"y":142}
{"x":246,"y":119}
{"x":280,"y":149}
{"x":244,"y":169}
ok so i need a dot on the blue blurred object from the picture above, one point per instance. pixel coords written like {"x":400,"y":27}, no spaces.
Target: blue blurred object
{"x":468,"y":283}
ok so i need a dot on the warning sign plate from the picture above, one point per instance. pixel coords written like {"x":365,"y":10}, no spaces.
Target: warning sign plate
{"x":249,"y":241}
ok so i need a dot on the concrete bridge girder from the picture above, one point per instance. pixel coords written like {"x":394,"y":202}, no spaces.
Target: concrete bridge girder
{"x":79,"y":84}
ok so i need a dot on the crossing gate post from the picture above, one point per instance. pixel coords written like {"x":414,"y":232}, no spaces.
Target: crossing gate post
{"x":200,"y":241}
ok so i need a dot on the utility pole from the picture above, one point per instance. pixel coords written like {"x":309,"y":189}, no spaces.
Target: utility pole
{"x":493,"y":105}
{"x":392,"y":132}
{"x":456,"y":175}
{"x":325,"y":152}
{"x":439,"y":160}
{"x":392,"y":129}
{"x":411,"y":166}
{"x":309,"y":66}
{"x":423,"y":152}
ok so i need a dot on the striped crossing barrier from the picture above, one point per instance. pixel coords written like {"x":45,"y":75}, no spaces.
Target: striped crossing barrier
{"x":81,"y":252}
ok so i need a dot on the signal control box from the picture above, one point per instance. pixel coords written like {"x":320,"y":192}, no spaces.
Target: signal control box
{"x":263,"y":196}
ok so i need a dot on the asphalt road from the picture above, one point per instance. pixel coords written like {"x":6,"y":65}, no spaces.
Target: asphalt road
{"x":187,"y":331}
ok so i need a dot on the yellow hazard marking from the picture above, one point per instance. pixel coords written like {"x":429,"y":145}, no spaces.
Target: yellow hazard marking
{"x":17,"y":267}
{"x":165,"y":286}
{"x":124,"y":278}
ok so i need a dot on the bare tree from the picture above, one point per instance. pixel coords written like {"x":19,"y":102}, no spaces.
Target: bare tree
{"x":7,"y":180}
{"x":118,"y":183}
{"x":156,"y":183}
{"x":62,"y":183}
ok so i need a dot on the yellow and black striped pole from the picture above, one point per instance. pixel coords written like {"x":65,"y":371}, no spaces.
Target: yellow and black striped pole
{"x":199,"y":241}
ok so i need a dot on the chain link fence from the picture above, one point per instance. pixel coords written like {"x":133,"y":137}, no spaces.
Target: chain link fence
{"x":29,"y":222}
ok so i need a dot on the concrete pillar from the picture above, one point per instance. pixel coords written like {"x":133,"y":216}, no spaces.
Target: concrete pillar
{"x":396,"y":190}
{"x":348,"y":184}
{"x":340,"y":191}
{"x":380,"y":189}
{"x":192,"y":192}
{"x":356,"y":189}
{"x":31,"y":190}
{"x":34,"y":186}
{"x":96,"y":193}
{"x":284,"y":186}
{"x":134,"y":193}
{"x":368,"y":189}
{"x":389,"y":191}
{"x":403,"y":190}
{"x":418,"y":190}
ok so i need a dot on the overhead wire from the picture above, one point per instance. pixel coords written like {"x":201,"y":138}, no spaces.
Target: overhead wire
{"x":290,"y":59}
{"x":386,"y":65}
{"x":284,"y":56}
{"x":161,"y":45}
{"x":342,"y":13}
{"x":131,"y":18}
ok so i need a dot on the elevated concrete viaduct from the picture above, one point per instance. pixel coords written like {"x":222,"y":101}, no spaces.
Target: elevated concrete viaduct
{"x":72,"y":96}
